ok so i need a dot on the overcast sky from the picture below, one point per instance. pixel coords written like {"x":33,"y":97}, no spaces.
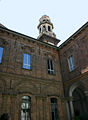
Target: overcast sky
{"x":23,"y":16}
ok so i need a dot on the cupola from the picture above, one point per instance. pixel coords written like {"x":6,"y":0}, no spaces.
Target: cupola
{"x":46,"y":33}
{"x":45,"y":26}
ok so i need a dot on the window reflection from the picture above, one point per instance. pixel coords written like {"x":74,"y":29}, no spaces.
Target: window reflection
{"x":54,"y":109}
{"x":26,"y":108}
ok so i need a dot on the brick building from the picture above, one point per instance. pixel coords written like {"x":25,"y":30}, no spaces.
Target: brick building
{"x":40,"y":81}
{"x":30,"y":79}
{"x":74,"y":69}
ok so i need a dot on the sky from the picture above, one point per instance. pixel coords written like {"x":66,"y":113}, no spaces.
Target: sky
{"x":23,"y":16}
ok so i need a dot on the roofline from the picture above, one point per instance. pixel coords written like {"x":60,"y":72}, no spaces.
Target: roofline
{"x":28,"y":37}
{"x":72,"y":36}
{"x":41,"y":42}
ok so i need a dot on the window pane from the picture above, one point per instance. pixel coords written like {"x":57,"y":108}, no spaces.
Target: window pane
{"x":29,"y":58}
{"x":24,"y":58}
{"x":26,"y":61}
{"x":52,"y":72}
{"x":53,"y":100}
{"x":26,"y":108}
{"x":1,"y":53}
{"x":71,"y":63}
{"x":51,"y":64}
{"x":53,"y":116}
{"x":28,"y":67}
{"x":48,"y":64}
{"x":54,"y":109}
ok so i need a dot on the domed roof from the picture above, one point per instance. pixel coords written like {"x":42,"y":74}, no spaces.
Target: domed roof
{"x":44,"y":18}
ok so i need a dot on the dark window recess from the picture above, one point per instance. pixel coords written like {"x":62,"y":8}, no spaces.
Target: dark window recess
{"x":40,"y":30}
{"x":43,"y":20}
{"x":54,"y":109}
{"x":49,"y":28}
{"x":53,"y":116}
{"x":50,"y":66}
{"x":44,"y":28}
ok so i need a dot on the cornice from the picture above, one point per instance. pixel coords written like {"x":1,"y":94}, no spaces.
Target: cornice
{"x":27,"y":37}
{"x":31,"y":78}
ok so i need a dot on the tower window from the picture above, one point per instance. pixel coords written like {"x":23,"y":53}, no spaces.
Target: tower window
{"x":44,"y":26}
{"x":26,"y":108}
{"x":43,"y":20}
{"x":49,"y":28}
{"x":40,"y":30}
{"x":50,"y":66}
{"x":1,"y":53}
{"x":71,"y":63}
{"x":54,"y":109}
{"x":26,"y":61}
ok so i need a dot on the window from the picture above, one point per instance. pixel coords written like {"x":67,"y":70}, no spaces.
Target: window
{"x":40,"y":30}
{"x":71,"y":63}
{"x":49,"y":28}
{"x":26,"y":61}
{"x":26,"y":108}
{"x":44,"y":27}
{"x":54,"y":109}
{"x":43,"y":20}
{"x":50,"y":66}
{"x":1,"y":53}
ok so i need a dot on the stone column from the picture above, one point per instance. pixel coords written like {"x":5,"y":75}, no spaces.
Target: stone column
{"x":33,"y":108}
{"x":48,"y":113}
{"x":44,"y":108}
{"x":62,"y":109}
{"x":17,"y":108}
{"x":39,"y":109}
{"x":72,"y":108}
{"x":60,"y":113}
{"x":68,"y":110}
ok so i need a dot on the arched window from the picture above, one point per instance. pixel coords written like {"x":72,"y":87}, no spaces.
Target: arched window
{"x":49,"y":28}
{"x":54,"y":109}
{"x":26,"y":108}
{"x":44,"y":28}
